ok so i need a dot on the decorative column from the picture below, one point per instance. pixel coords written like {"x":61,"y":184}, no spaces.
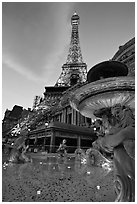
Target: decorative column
{"x":66,"y":120}
{"x":78,"y":114}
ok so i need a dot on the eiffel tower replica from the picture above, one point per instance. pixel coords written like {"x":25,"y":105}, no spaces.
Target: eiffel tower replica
{"x":74,"y":70}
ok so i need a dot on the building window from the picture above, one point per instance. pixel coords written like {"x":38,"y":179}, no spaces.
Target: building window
{"x":69,"y":118}
{"x":60,"y":117}
{"x":66,"y":115}
{"x":76,"y":122}
{"x":88,"y":122}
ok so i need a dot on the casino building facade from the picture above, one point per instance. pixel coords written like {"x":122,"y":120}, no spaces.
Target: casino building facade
{"x":126,"y":55}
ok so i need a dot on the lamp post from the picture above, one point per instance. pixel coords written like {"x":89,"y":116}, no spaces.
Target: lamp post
{"x":27,"y":138}
{"x":46,"y":125}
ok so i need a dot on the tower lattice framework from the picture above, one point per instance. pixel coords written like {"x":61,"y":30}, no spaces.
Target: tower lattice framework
{"x":74,"y":70}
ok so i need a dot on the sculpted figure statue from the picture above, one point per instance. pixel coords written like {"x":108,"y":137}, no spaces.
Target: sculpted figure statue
{"x":120,"y":140}
{"x":62,"y":152}
{"x":79,"y":154}
{"x":18,"y":152}
{"x":62,"y":148}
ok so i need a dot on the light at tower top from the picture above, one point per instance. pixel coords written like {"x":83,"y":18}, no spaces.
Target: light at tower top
{"x":75,"y":19}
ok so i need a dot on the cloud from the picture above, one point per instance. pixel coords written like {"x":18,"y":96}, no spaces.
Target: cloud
{"x":18,"y":68}
{"x":35,"y":44}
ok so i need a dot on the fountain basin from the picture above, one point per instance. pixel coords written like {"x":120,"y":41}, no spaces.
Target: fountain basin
{"x":103,"y":93}
{"x":50,"y":181}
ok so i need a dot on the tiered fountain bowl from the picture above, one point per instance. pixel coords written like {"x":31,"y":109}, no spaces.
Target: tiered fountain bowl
{"x":108,"y":85}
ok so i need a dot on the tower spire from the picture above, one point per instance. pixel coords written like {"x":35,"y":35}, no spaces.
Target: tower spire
{"x":74,"y":70}
{"x":75,"y":55}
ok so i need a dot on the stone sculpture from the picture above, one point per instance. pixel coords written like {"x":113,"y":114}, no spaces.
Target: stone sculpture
{"x":62,"y":149}
{"x":120,"y":141}
{"x":18,"y":152}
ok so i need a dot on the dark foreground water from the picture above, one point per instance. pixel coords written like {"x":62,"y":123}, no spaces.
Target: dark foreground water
{"x":56,"y":181}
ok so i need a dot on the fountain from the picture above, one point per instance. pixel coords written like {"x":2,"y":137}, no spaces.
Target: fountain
{"x":109,"y":95}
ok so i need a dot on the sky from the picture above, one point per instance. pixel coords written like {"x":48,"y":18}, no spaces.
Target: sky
{"x":36,"y":38}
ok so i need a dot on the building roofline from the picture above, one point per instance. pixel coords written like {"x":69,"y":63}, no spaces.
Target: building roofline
{"x":124,"y":47}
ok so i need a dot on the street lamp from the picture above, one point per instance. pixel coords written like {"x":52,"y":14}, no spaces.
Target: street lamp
{"x":46,"y":125}
{"x":27,"y":137}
